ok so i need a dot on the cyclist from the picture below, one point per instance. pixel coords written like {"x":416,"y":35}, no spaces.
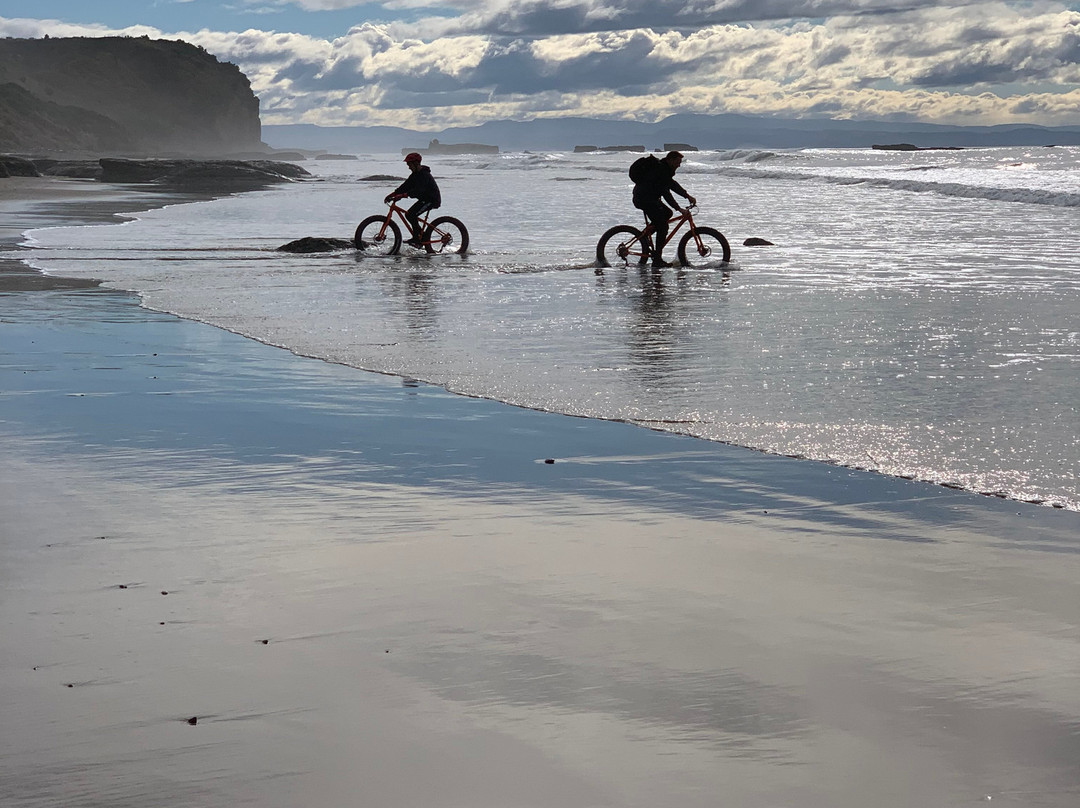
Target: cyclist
{"x":421,"y":186}
{"x":656,"y":180}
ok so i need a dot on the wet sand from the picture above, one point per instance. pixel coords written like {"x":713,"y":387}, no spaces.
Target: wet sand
{"x":231,"y":575}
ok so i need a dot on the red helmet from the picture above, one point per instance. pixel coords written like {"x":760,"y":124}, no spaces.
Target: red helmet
{"x":413,"y":157}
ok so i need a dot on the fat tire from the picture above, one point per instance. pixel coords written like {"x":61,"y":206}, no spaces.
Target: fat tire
{"x":711,"y":238}
{"x":458,"y":243}
{"x":607,"y":248}
{"x":367,"y":230}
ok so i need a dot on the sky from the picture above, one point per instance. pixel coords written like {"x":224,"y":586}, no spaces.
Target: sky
{"x":431,"y":64}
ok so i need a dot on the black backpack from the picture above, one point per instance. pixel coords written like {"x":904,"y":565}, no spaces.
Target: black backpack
{"x":643,"y":168}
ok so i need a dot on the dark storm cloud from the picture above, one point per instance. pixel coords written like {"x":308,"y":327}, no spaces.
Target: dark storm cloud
{"x":515,"y":68}
{"x":540,"y":18}
{"x":422,"y":96}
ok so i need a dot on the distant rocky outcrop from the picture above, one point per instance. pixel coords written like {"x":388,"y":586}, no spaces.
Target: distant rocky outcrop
{"x":435,"y":147}
{"x":911,"y":147}
{"x":586,"y":149}
{"x":679,"y":147}
{"x":123,"y":95}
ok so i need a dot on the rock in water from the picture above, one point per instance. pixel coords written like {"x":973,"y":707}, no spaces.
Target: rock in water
{"x":313,"y":244}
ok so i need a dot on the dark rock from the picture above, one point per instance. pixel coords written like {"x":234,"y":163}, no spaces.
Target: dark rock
{"x":19,"y":166}
{"x":198,"y":172}
{"x":380,"y":178}
{"x":313,"y":244}
{"x":584,"y":149}
{"x":193,"y":720}
{"x":679,"y":147}
{"x":284,"y":169}
{"x":336,"y":157}
{"x":912,"y":147}
{"x":754,"y":241}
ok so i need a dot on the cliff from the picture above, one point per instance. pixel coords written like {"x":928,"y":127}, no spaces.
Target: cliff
{"x":123,"y":95}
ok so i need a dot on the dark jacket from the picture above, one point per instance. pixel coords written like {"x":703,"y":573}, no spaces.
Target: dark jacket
{"x":421,"y":185}
{"x":659,"y":182}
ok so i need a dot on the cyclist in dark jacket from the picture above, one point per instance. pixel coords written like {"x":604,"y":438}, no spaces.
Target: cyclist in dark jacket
{"x":421,"y":186}
{"x":660,"y":182}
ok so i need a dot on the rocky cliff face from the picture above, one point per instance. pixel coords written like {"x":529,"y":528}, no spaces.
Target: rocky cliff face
{"x":123,"y":95}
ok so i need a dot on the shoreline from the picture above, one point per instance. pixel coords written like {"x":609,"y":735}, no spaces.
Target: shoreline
{"x":358,"y":584}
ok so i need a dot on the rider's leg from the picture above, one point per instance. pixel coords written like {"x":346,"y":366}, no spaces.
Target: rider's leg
{"x":418,"y":208}
{"x":658,"y":215}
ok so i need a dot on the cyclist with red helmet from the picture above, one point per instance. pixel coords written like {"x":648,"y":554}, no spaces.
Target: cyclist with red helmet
{"x":421,"y":186}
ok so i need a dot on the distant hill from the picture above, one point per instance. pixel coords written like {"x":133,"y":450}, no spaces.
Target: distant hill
{"x":726,"y":131}
{"x":124,"y":95}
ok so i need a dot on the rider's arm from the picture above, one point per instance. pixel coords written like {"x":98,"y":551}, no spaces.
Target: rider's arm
{"x":682,"y":191}
{"x":402,"y":190}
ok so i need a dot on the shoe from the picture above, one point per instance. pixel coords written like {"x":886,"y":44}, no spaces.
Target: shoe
{"x":660,"y":263}
{"x":412,"y":242}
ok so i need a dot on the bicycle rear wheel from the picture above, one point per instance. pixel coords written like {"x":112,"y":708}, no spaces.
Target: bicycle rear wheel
{"x":371,"y":239}
{"x":446,"y":234}
{"x":622,"y":244}
{"x":714,"y":247}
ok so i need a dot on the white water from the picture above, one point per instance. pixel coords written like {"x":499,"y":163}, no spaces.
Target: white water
{"x":919,"y":314}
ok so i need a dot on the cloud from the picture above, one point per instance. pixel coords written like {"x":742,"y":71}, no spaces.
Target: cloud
{"x":993,"y":64}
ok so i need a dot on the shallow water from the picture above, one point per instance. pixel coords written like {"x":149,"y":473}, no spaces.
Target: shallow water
{"x":918,"y":316}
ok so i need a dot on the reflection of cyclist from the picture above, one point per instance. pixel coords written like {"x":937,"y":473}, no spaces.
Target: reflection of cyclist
{"x":658,"y":180}
{"x":421,"y":186}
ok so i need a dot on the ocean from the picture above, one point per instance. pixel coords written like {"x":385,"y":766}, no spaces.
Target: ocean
{"x":917,"y":315}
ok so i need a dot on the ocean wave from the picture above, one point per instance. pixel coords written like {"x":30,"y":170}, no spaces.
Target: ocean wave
{"x":746,"y":155}
{"x":1033,"y":196}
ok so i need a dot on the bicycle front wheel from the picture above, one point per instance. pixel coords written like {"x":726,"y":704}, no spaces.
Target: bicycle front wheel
{"x":622,"y":244}
{"x":446,"y":234}
{"x":713,"y":247}
{"x":372,"y":239}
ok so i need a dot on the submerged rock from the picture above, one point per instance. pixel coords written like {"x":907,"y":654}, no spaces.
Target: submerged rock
{"x":754,"y":241}
{"x":313,"y":244}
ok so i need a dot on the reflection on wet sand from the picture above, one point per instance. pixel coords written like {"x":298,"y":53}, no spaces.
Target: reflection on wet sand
{"x":381,"y":592}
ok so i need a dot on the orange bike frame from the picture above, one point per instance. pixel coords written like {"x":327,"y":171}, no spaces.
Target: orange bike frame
{"x":680,"y":220}
{"x":395,"y":208}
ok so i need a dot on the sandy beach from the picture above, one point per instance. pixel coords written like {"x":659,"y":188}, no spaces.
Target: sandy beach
{"x":230,"y":575}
